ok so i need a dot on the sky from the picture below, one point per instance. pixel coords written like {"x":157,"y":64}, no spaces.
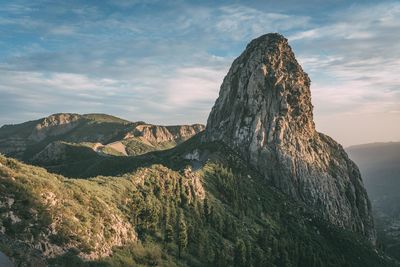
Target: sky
{"x":163,"y":61}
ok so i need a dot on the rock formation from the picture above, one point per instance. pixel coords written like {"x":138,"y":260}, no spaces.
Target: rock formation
{"x":54,"y":125}
{"x":264,"y":111}
{"x":156,"y":134}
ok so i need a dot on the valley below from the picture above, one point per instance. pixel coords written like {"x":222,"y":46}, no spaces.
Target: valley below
{"x":379,"y":164}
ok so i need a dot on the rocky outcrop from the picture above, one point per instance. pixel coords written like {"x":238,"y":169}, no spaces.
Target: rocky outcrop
{"x":16,"y":140}
{"x":53,"y":218}
{"x":264,"y":111}
{"x":155,"y":134}
{"x":55,"y":125}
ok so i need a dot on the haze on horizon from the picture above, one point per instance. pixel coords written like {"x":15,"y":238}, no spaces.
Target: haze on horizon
{"x":164,"y":62}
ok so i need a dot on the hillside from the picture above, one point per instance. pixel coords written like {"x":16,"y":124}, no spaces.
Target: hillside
{"x":380,"y":166}
{"x":221,"y":213}
{"x":63,"y":140}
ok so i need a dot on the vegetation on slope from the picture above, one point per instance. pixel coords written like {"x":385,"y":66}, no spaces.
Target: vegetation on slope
{"x":36,"y":141}
{"x":165,"y":214}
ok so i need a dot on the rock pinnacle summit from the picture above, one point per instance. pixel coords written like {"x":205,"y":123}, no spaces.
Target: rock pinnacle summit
{"x":264,"y":111}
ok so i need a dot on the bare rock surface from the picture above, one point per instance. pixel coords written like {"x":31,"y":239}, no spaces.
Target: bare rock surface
{"x":264,"y":110}
{"x":156,"y":134}
{"x":55,"y":125}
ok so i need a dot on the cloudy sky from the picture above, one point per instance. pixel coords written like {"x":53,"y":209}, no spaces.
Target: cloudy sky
{"x":163,"y":61}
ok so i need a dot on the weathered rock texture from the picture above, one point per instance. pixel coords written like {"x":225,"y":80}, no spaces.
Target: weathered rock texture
{"x":55,"y":125}
{"x":264,"y":110}
{"x":156,"y":134}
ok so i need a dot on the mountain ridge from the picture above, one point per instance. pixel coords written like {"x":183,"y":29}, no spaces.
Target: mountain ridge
{"x":101,"y":132}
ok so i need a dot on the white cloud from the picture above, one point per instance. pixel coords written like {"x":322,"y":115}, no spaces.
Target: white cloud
{"x":162,"y":68}
{"x":70,"y":82}
{"x":354,"y":61}
{"x":242,"y":22}
{"x":190,"y":86}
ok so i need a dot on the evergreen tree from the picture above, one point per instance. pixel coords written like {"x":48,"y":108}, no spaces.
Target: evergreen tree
{"x":283,"y":259}
{"x":217,"y":258}
{"x":259,"y":257}
{"x":222,"y":258}
{"x":240,"y":254}
{"x":166,"y":214}
{"x":172,"y":216}
{"x":207,"y":210}
{"x":169,"y":233}
{"x":249,"y":251}
{"x":183,"y":194}
{"x":182,"y":234}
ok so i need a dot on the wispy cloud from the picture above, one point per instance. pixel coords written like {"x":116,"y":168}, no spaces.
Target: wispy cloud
{"x":241,"y":22}
{"x":355,"y":58}
{"x":354,"y":62}
{"x":190,"y":86}
{"x":163,"y":61}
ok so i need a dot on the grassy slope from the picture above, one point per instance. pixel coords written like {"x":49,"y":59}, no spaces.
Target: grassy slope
{"x":242,"y":208}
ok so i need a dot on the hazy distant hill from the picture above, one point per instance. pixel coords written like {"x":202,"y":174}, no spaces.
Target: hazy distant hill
{"x":380,"y":167}
{"x":379,"y":164}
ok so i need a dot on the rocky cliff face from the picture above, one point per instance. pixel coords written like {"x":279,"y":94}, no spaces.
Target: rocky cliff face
{"x":155,"y":134}
{"x":54,"y":125}
{"x":264,"y":111}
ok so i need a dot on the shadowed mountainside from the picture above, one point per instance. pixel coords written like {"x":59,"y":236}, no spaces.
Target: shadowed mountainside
{"x":380,"y":167}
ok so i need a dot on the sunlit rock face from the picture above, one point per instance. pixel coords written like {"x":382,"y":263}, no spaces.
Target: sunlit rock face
{"x":264,"y":111}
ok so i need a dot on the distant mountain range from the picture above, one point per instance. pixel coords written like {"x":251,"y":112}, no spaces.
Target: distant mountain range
{"x":379,"y":164}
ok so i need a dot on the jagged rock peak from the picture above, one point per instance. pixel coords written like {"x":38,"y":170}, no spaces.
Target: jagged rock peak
{"x":266,"y":74}
{"x":264,"y":111}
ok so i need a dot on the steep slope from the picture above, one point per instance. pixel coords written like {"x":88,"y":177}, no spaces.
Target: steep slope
{"x":380,"y":167}
{"x":264,"y":111}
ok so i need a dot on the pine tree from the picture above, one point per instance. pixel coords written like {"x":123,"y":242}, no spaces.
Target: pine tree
{"x":259,"y":257}
{"x":240,"y":254}
{"x":172,"y":216}
{"x":182,"y":234}
{"x":249,"y":251}
{"x":169,"y":233}
{"x":206,"y":210}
